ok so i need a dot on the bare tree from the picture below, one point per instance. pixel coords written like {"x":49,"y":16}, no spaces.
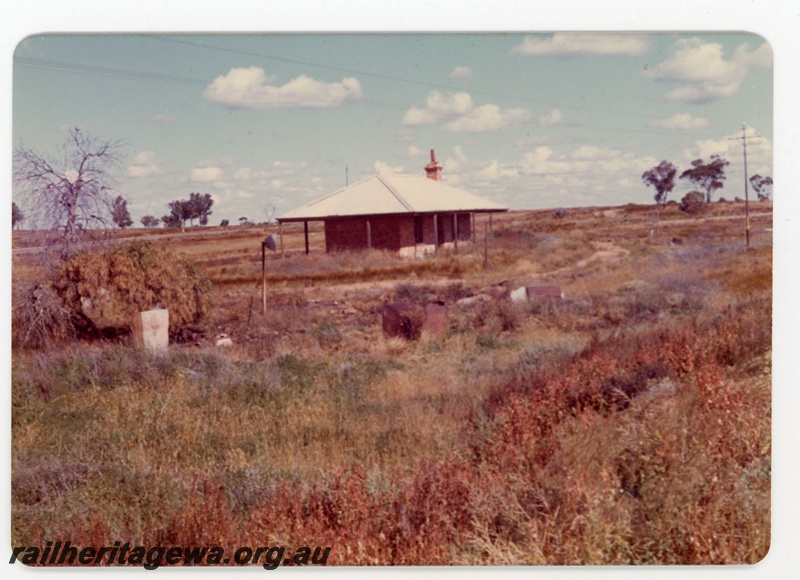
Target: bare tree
{"x":69,"y":194}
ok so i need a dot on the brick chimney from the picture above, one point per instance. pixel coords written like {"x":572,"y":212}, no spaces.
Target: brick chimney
{"x":433,"y":169}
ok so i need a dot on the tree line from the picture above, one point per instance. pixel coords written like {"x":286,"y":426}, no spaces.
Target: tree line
{"x":705,"y":177}
{"x":197,"y":207}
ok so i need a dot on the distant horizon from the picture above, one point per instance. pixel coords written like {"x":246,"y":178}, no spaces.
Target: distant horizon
{"x":754,"y":205}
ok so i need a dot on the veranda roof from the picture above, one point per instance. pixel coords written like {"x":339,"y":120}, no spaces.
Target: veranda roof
{"x":392,"y":194}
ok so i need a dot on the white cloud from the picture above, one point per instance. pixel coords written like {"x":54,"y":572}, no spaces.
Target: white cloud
{"x":551,"y":118}
{"x":414,"y":152}
{"x":244,"y":174}
{"x":704,"y":73}
{"x":681,"y":121}
{"x":205,"y":174}
{"x":496,"y":170}
{"x":249,"y":88}
{"x":276,"y":169}
{"x":575,"y":43}
{"x":221,"y":162}
{"x":488,"y":118}
{"x":381,"y":167}
{"x":439,"y":107}
{"x":762,"y":56}
{"x":457,"y":163}
{"x":460,"y":72}
{"x":459,"y":114}
{"x":145,"y":164}
{"x":545,"y":177}
{"x":284,"y":168}
{"x":593,"y":153}
{"x":404,"y":136}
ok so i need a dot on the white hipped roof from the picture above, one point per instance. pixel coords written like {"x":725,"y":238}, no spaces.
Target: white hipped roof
{"x":392,"y":194}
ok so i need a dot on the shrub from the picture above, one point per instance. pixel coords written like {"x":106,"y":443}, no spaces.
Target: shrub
{"x":39,"y":317}
{"x":560,"y":212}
{"x":693,"y":202}
{"x":107,"y":287}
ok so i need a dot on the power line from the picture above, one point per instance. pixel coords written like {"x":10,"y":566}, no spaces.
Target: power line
{"x":185,"y":81}
{"x":743,"y":139}
{"x":387,"y":77}
{"x":107,"y":71}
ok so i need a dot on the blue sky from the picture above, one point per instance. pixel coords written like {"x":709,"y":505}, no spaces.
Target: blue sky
{"x":275,"y":120}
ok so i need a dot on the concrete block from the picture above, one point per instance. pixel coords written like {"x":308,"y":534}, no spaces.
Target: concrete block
{"x":151,"y":329}
{"x":435,"y":318}
{"x":403,"y":319}
{"x":545,"y":293}
{"x":519,"y":295}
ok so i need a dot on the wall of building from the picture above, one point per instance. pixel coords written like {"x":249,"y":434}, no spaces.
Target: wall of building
{"x":386,"y":233}
{"x":393,"y":232}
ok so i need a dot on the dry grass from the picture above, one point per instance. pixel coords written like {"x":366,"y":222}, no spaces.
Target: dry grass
{"x":629,"y":423}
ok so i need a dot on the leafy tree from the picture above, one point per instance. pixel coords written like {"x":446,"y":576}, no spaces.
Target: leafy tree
{"x":200,"y":207}
{"x":180,"y":213}
{"x":243,"y":221}
{"x":707,"y":177}
{"x":224,"y":223}
{"x":69,"y":193}
{"x":149,"y":221}
{"x":120,"y":213}
{"x":16,"y":215}
{"x":662,"y":178}
{"x":171,"y":220}
{"x":762,"y":186}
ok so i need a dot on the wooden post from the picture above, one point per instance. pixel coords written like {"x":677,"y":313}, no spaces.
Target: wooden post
{"x":263,"y":277}
{"x":490,"y":223}
{"x":455,"y":232}
{"x":435,"y":233}
{"x":422,"y":226}
{"x":746,"y":192}
{"x":369,"y":235}
{"x":472,"y":227}
{"x":280,"y":232}
{"x":305,"y":229}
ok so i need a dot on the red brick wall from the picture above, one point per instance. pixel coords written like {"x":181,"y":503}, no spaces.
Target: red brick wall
{"x":386,"y":232}
{"x":464,"y":226}
{"x":391,"y":232}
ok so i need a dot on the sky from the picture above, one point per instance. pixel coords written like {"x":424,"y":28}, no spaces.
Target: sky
{"x":268,"y":122}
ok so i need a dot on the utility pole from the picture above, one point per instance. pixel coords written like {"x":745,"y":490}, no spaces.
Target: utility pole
{"x":743,"y":139}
